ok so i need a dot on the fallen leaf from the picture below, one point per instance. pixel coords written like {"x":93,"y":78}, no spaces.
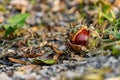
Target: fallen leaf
{"x":30,"y":55}
{"x":47,"y":62}
{"x":16,"y":60}
{"x":55,"y":57}
{"x":57,"y":51}
{"x":26,"y":67}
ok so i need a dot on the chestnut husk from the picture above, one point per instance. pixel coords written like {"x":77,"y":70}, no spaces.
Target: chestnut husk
{"x":75,"y":47}
{"x":91,"y":41}
{"x":78,"y":46}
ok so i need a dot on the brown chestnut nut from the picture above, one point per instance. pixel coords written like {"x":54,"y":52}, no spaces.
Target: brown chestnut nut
{"x":82,"y":39}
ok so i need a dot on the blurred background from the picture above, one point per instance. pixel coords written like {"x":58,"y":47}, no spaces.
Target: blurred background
{"x":57,"y":12}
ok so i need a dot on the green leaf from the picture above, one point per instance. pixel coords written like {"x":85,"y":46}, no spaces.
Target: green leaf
{"x":47,"y":62}
{"x":15,"y":23}
{"x":18,"y":19}
{"x":9,"y":30}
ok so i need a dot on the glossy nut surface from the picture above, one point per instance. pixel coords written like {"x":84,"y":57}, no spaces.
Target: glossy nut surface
{"x":81,"y":36}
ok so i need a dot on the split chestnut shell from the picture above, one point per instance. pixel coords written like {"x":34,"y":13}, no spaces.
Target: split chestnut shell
{"x":79,"y":40}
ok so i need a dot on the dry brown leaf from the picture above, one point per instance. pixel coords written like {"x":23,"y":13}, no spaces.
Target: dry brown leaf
{"x":16,"y":60}
{"x":23,"y":68}
{"x":57,"y":51}
{"x":55,"y":57}
{"x":30,"y":55}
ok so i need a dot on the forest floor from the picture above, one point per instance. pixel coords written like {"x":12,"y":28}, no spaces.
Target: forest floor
{"x":34,"y":38}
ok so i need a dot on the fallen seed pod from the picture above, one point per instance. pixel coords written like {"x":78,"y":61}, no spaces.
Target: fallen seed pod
{"x":82,"y":38}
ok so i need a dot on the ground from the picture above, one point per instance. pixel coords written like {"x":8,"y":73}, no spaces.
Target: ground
{"x":34,"y":37}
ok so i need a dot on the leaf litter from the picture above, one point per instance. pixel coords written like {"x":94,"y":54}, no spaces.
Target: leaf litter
{"x":40,"y":40}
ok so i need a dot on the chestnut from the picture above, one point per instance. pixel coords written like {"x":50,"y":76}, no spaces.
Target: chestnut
{"x":82,"y":39}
